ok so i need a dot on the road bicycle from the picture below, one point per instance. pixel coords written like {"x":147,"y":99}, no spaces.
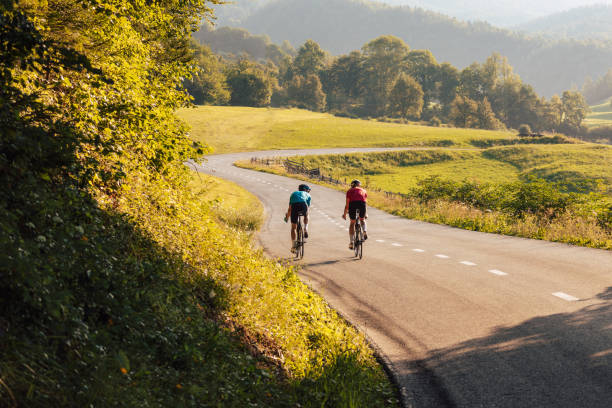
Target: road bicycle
{"x":299,"y":243}
{"x":358,"y":238}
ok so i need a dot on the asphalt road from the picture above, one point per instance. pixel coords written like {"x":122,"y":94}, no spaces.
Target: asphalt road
{"x":463,"y":319}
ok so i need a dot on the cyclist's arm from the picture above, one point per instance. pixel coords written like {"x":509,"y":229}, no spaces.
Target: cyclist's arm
{"x":346,"y":207}
{"x":308,"y":200}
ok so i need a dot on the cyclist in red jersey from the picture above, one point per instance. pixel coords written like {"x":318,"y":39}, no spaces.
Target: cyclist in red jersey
{"x":356,"y":198}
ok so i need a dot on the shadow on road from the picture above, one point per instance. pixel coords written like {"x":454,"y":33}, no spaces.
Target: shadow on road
{"x":561,"y":360}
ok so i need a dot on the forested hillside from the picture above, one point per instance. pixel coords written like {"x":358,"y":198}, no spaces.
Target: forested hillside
{"x":580,"y":23}
{"x":549,"y":65}
{"x":121,"y":284}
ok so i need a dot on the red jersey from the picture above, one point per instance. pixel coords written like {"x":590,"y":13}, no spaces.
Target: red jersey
{"x":356,"y":194}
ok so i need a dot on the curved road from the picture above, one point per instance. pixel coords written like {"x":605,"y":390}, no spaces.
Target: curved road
{"x":463,"y":319}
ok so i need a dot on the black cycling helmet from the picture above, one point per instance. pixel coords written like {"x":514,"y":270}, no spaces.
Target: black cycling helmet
{"x":304,"y":187}
{"x":355,"y":183}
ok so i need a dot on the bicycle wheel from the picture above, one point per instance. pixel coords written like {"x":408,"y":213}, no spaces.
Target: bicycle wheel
{"x":356,"y":239}
{"x":360,"y":246}
{"x":299,"y":253}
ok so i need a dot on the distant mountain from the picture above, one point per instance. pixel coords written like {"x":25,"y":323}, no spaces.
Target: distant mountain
{"x":503,"y":13}
{"x":341,"y":26}
{"x":580,"y":23}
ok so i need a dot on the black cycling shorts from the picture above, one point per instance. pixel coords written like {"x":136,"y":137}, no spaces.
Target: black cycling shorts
{"x":355,"y":206}
{"x":298,"y":209}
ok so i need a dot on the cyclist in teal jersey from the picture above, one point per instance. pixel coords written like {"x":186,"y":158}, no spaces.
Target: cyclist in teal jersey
{"x":299,"y":202}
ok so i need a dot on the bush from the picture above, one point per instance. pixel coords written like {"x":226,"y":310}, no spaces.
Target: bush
{"x":524,"y":130}
{"x":435,"y":121}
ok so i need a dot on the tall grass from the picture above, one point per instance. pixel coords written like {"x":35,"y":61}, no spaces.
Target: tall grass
{"x":146,"y":299}
{"x":547,"y":214}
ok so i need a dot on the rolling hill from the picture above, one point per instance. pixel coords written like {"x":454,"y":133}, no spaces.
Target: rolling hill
{"x":341,"y":26}
{"x":579,"y":23}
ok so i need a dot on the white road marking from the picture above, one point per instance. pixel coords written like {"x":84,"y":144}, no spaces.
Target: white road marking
{"x":565,"y":296}
{"x":497,"y":272}
{"x":441,"y":256}
{"x":395,"y":244}
{"x":418,"y":250}
{"x":468,"y":263}
{"x":380,"y":240}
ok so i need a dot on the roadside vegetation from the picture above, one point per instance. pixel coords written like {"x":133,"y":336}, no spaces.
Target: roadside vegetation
{"x":556,"y":193}
{"x":127,"y":281}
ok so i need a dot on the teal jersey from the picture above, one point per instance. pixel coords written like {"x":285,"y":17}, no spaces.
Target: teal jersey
{"x":299,"y":197}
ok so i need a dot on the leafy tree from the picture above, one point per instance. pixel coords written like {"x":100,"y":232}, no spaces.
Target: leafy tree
{"x":574,"y":109}
{"x":384,"y":59}
{"x":463,"y":112}
{"x":306,"y":93}
{"x":524,"y":130}
{"x":550,"y":113}
{"x":310,"y":59}
{"x":207,"y":85}
{"x":344,"y":81}
{"x":249,"y":84}
{"x":447,"y":83}
{"x":406,"y":98}
{"x":423,"y":67}
{"x":485,"y":117}
{"x":597,"y":91}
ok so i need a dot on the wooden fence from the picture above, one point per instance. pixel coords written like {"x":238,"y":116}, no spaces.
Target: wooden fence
{"x":294,"y":167}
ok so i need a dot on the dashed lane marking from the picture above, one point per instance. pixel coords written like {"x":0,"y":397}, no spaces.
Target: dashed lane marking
{"x":418,"y":250}
{"x":380,"y":240}
{"x":468,"y":263}
{"x":441,"y":256}
{"x":395,"y":244}
{"x":565,"y":296}
{"x":497,"y":272}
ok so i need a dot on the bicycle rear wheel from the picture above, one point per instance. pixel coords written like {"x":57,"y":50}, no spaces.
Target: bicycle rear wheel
{"x":299,"y":252}
{"x":358,"y":240}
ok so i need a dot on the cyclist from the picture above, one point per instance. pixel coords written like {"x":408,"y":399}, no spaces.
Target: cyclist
{"x":299,"y":201}
{"x":356,"y":198}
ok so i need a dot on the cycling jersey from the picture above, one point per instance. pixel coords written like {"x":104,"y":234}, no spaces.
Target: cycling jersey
{"x":300,"y":197}
{"x":356,"y":194}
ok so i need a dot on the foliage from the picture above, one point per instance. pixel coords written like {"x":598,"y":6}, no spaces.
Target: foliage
{"x":249,"y":84}
{"x":118,"y":286}
{"x":549,"y":64}
{"x":524,"y":130}
{"x":310,"y":59}
{"x":598,"y":90}
{"x":406,"y":98}
{"x":306,"y":93}
{"x":208,"y":85}
{"x":533,"y":208}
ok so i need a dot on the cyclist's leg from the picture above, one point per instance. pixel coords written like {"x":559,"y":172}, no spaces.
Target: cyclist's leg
{"x":353,"y":217}
{"x":306,"y":212}
{"x":362,"y":220}
{"x":294,"y":219}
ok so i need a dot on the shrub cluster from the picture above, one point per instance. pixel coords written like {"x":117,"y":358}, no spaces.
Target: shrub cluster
{"x":534,"y":196}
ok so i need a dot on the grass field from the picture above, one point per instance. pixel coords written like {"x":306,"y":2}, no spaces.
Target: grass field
{"x":230,"y":203}
{"x":573,"y":165}
{"x":230,"y":129}
{"x":601,"y":115}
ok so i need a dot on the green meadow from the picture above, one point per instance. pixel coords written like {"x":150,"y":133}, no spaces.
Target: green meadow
{"x":231,"y":129}
{"x":600,"y":115}
{"x":576,"y":166}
